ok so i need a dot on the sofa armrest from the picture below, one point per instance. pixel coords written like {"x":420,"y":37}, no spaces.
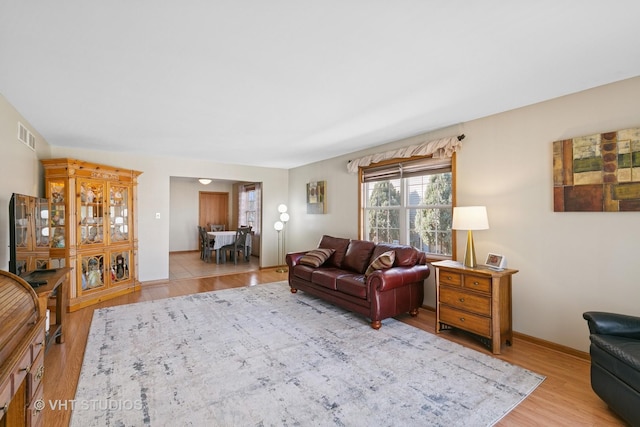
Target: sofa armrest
{"x":391,"y":278}
{"x":613,"y":324}
{"x":293,"y":258}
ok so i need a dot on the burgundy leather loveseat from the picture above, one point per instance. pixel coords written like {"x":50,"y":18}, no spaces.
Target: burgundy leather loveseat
{"x":375,"y":280}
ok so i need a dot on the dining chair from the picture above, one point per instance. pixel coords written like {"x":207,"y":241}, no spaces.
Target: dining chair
{"x":207,"y":244}
{"x":239,"y":246}
{"x":201,"y":242}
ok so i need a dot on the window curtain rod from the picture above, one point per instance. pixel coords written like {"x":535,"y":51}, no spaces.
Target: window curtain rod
{"x":438,"y":148}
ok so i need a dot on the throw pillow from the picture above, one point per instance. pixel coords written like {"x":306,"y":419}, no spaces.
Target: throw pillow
{"x":384,"y":260}
{"x":316,"y":257}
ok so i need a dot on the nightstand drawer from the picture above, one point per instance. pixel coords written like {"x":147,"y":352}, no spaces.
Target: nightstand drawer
{"x":469,"y":322}
{"x":449,"y":278}
{"x":477,"y":283}
{"x":477,"y":304}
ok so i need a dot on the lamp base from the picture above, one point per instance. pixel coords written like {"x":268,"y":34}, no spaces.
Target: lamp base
{"x":470,"y":253}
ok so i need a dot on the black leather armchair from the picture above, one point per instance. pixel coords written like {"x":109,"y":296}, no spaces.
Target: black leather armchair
{"x":615,"y":362}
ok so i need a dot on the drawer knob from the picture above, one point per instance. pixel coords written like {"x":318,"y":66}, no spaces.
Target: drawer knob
{"x":25,"y":369}
{"x":462,"y":319}
{"x":461,"y":299}
{"x":449,"y":277}
{"x":475,"y":283}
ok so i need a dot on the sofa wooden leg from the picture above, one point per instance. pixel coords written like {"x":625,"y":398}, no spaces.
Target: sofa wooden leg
{"x":414,"y":312}
{"x":376,"y":324}
{"x":294,"y":290}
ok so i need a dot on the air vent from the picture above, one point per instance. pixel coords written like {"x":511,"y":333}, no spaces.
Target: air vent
{"x":26,"y":137}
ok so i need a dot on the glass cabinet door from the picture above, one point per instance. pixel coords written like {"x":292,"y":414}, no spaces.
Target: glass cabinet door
{"x":22,"y":212}
{"x":120,"y":266}
{"x":92,"y":271}
{"x":57,"y":213}
{"x":91,"y":212}
{"x":118,"y":213}
{"x":42,"y":223}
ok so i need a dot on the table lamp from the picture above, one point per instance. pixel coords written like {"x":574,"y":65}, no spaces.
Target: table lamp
{"x":470,"y":218}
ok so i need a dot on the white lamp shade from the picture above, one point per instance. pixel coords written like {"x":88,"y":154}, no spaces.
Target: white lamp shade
{"x":205,"y":181}
{"x":282,"y":208}
{"x":284,"y":217}
{"x":278,"y":226}
{"x":470,"y":218}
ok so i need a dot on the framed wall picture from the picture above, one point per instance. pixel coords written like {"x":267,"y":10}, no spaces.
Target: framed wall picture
{"x":316,"y":197}
{"x":496,"y":261}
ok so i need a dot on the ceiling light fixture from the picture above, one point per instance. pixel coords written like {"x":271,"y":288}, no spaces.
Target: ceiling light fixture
{"x":204,"y":181}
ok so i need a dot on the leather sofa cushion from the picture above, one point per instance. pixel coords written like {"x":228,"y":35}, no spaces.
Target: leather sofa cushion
{"x":619,"y":356}
{"x":340,"y":246}
{"x":358,"y":255}
{"x":352,"y":285}
{"x":303,"y":272}
{"x":625,"y":350}
{"x":406,"y":256}
{"x":326,"y":277}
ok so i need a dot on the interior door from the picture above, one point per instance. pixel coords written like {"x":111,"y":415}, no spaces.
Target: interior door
{"x":214,"y":208}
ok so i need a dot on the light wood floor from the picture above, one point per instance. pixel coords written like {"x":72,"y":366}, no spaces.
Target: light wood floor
{"x":565,"y":397}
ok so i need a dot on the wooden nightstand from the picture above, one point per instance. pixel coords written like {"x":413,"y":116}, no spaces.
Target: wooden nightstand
{"x":477,"y":300}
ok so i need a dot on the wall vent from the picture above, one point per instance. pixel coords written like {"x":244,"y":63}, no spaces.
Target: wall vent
{"x":26,"y":137}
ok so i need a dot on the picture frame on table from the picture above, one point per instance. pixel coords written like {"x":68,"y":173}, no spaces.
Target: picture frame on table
{"x":496,"y":261}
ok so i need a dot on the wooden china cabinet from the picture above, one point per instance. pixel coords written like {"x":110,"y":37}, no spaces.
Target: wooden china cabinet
{"x":92,"y":212}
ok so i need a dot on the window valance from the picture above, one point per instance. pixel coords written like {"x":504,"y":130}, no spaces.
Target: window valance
{"x":438,"y":148}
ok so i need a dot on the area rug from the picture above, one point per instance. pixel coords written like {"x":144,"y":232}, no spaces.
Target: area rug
{"x":261,"y":356}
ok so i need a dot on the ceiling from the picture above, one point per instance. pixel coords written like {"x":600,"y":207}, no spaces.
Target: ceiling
{"x":283,"y":83}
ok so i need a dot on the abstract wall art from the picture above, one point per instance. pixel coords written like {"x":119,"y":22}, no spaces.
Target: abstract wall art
{"x":316,"y":197}
{"x":597,"y":173}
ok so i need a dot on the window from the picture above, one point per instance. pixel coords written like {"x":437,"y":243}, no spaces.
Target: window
{"x":409,"y":203}
{"x":249,"y":209}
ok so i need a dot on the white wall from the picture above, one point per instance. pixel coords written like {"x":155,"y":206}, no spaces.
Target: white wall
{"x":21,"y":169}
{"x":568,"y":262}
{"x":184,"y":210}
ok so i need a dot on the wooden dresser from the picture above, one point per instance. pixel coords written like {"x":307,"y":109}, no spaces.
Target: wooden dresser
{"x":477,"y":300}
{"x":22,"y":345}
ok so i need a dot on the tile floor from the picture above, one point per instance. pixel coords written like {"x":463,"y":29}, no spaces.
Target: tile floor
{"x":187,"y":265}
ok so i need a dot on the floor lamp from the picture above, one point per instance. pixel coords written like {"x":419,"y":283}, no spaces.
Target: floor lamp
{"x":280,"y":227}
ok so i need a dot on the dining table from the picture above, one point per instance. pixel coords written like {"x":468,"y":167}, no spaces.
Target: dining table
{"x":223,"y":238}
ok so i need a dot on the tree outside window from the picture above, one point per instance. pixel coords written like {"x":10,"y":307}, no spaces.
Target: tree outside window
{"x":416,"y":210}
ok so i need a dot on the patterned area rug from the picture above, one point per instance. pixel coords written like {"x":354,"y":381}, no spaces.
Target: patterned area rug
{"x":261,"y":356}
